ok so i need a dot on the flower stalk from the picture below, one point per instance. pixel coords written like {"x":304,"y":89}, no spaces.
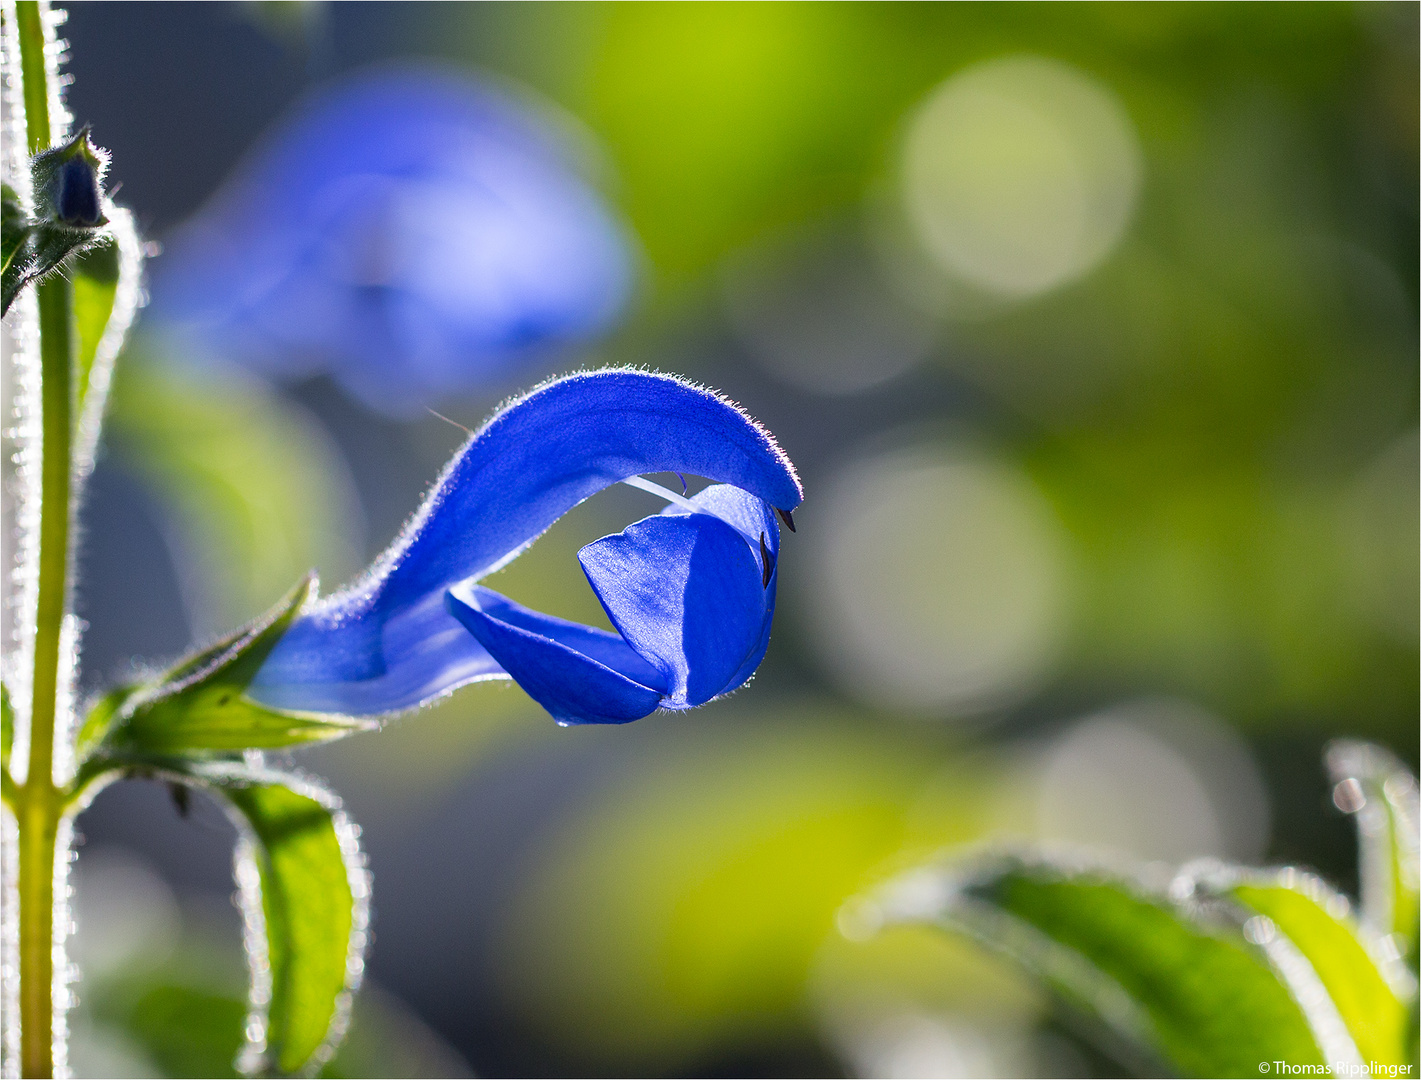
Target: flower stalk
{"x":40,"y":803}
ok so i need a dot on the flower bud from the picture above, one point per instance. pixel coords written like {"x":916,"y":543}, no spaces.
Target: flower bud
{"x":66,"y":219}
{"x":68,"y":183}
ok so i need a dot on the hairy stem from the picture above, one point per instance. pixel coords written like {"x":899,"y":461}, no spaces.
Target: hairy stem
{"x":29,"y":21}
{"x":40,"y":803}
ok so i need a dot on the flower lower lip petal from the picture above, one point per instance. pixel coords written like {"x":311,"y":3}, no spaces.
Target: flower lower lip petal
{"x":581,"y":675}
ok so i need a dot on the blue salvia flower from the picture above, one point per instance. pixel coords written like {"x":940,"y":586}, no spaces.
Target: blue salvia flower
{"x":691,"y":591}
{"x":413,"y":233}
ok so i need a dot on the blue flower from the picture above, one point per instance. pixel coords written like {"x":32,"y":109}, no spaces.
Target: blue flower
{"x":412,"y":233}
{"x":691,"y":591}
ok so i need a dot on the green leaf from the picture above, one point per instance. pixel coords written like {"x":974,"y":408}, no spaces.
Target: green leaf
{"x":221,"y":719}
{"x":189,"y":1023}
{"x":95,"y":279}
{"x":41,"y":251}
{"x":1153,"y":977}
{"x":199,"y":706}
{"x":1368,"y":988}
{"x":101,"y":717}
{"x":304,"y":894}
{"x":1372,"y":784}
{"x":106,"y":285}
{"x":305,"y":897}
{"x":52,"y":243}
{"x":185,"y":1030}
{"x":14,"y":228}
{"x":16,"y":231}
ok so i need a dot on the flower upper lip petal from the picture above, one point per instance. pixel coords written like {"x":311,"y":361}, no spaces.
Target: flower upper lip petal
{"x":547,"y":452}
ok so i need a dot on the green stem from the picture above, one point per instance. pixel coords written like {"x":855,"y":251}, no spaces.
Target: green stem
{"x":40,"y":802}
{"x":29,"y":21}
{"x":39,"y":827}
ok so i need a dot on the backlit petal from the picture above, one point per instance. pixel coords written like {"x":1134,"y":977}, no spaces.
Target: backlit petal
{"x":581,"y":675}
{"x":687,"y":592}
{"x":530,"y":464}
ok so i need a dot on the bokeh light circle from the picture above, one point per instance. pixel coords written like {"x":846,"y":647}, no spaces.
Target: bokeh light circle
{"x":939,"y":580}
{"x":818,"y":315}
{"x":1020,"y":174}
{"x":1157,"y":778}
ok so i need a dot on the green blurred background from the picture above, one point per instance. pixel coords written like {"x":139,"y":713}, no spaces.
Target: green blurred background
{"x":1093,"y":332}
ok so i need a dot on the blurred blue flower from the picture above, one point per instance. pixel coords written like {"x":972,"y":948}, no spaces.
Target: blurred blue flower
{"x":691,"y":591}
{"x":413,"y":233}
